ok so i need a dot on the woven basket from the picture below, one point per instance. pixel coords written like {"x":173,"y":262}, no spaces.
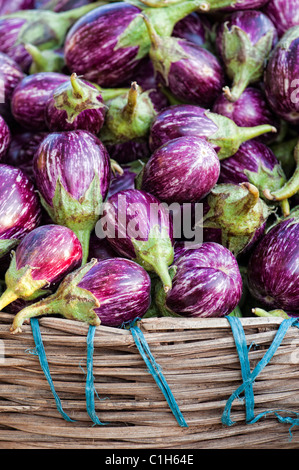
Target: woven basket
{"x":199,"y":360}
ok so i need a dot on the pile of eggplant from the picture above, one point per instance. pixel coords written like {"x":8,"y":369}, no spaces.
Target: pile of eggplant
{"x":149,"y":159}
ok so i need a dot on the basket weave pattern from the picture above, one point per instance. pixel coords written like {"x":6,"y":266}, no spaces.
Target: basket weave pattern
{"x":198,"y":359}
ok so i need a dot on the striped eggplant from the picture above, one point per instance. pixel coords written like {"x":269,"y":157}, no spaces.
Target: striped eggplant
{"x":108,"y":44}
{"x":5,"y":138}
{"x":185,"y":119}
{"x":75,"y":104}
{"x":195,"y":28}
{"x":283,"y":15}
{"x":239,"y":212}
{"x":42,"y":259}
{"x":206,"y":283}
{"x":109,"y":292}
{"x":119,"y":182}
{"x":45,"y":29}
{"x":11,"y":75}
{"x":182,"y":170}
{"x":140,"y":228}
{"x":244,"y":41}
{"x":190,"y":72}
{"x":127,"y":124}
{"x":20,"y":209}
{"x":10,"y":6}
{"x":281,"y":77}
{"x":72,"y":173}
{"x":255,"y":163}
{"x":30,"y":97}
{"x":273,"y":277}
{"x":251,"y":109}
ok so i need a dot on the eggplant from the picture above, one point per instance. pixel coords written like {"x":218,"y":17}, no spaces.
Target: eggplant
{"x":5,"y":138}
{"x":22,"y":149}
{"x":11,"y":75}
{"x":20,"y":209}
{"x":108,"y":44}
{"x":194,"y":28}
{"x":109,"y":292}
{"x":75,"y":104}
{"x":255,"y":163}
{"x":30,"y":97}
{"x":272,"y":275}
{"x":120,"y":182}
{"x":60,"y":5}
{"x":281,"y":77}
{"x":182,"y":170}
{"x":128,"y":121}
{"x":43,"y":257}
{"x":206,"y":283}
{"x":185,"y":119}
{"x":139,"y":227}
{"x":100,"y":249}
{"x":283,"y":15}
{"x":244,"y":41}
{"x":72,"y":173}
{"x":251,"y":109}
{"x":45,"y":29}
{"x":190,"y":72}
{"x":239,"y":212}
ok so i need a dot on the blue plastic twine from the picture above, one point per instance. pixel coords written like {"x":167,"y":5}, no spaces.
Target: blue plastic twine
{"x":249,"y":377}
{"x":40,"y":350}
{"x":89,"y":386}
{"x":156,"y":372}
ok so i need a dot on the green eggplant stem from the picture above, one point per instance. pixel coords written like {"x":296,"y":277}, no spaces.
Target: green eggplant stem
{"x":154,"y":37}
{"x":291,"y":187}
{"x":132,"y":100}
{"x":77,"y":89}
{"x":7,"y":298}
{"x":76,"y":13}
{"x":84,"y":238}
{"x":249,"y":133}
{"x":259,"y":312}
{"x":43,"y":307}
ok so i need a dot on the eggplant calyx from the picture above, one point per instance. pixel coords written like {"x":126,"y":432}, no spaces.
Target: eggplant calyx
{"x":291,"y":187}
{"x":259,"y":312}
{"x":156,"y":254}
{"x":76,"y":96}
{"x":69,"y":300}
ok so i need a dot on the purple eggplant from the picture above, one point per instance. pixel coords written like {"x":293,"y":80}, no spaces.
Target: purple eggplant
{"x":5,"y":138}
{"x":244,"y":41}
{"x":121,"y":182}
{"x":20,"y":209}
{"x":281,"y":77}
{"x":206,"y":283}
{"x":72,"y":173}
{"x":109,"y":292}
{"x":60,"y":5}
{"x":182,"y":170}
{"x":10,"y":74}
{"x":273,"y":277}
{"x":44,"y":29}
{"x":11,"y":6}
{"x":42,"y":259}
{"x":30,"y":97}
{"x":22,"y":149}
{"x":283,"y":15}
{"x":255,"y":163}
{"x":220,"y":131}
{"x":128,"y":121}
{"x":139,"y":227}
{"x":190,"y":72}
{"x":100,"y":249}
{"x":108,"y":44}
{"x":239,"y":212}
{"x":75,"y":104}
{"x":251,"y":109}
{"x":194,"y":28}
